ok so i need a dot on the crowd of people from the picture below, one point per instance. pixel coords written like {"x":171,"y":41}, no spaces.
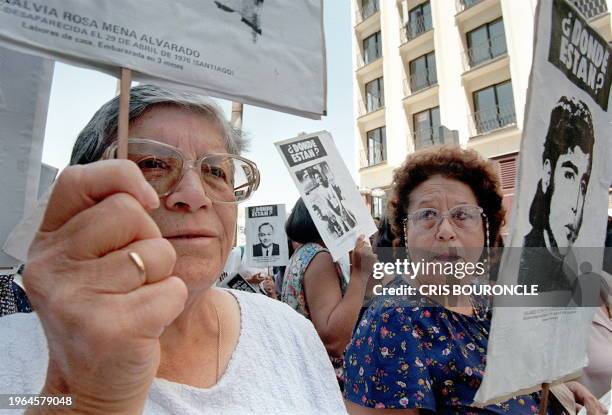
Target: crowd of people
{"x":128,"y":319}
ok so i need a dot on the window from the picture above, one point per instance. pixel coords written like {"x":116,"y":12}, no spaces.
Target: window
{"x":486,"y":42}
{"x":427,"y":128}
{"x":494,"y":107}
{"x":379,"y":205}
{"x":419,"y":20}
{"x":376,"y":146}
{"x":507,"y":167}
{"x":372,"y":48}
{"x":423,"y":72}
{"x":375,"y":94}
{"x":466,"y":4}
{"x":368,"y":8}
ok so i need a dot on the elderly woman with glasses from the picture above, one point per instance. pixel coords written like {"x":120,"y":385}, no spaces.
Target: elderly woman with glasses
{"x":427,"y":354}
{"x":121,"y":276}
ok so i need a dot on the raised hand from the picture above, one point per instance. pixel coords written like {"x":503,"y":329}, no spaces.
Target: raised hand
{"x":102,"y":309}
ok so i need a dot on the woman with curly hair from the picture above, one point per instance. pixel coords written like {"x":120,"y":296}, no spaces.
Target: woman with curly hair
{"x":427,"y":354}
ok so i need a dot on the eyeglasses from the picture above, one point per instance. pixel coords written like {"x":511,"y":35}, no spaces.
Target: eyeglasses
{"x":227,"y":178}
{"x":462,"y":217}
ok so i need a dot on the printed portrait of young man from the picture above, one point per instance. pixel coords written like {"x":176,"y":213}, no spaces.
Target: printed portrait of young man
{"x":557,"y":209}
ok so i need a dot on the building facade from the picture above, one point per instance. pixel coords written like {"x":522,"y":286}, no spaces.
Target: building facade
{"x":428,"y":72}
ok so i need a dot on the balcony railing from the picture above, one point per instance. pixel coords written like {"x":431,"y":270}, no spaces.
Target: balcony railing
{"x":362,"y":13}
{"x":363,"y":159}
{"x":484,"y":52}
{"x":591,"y":8}
{"x":367,"y":159}
{"x":419,"y":81}
{"x":465,"y":4}
{"x":427,"y":137}
{"x":493,"y":118}
{"x":371,"y":105}
{"x":367,"y":58}
{"x":414,"y":28}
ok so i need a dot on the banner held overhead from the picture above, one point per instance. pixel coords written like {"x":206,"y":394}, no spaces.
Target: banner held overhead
{"x":25,"y":86}
{"x":255,"y":52}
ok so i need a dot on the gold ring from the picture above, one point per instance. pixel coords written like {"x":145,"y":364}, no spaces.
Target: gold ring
{"x":137,"y":260}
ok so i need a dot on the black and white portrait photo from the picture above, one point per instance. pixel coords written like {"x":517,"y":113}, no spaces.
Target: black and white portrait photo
{"x":326,"y":194}
{"x":266,"y":246}
{"x":557,"y":209}
{"x":266,"y":240}
{"x":332,"y":226}
{"x":304,"y":178}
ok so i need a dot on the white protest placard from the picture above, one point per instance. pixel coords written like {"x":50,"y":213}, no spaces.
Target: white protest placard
{"x":47,"y":177}
{"x":25,"y":84}
{"x":266,"y":241}
{"x":249,"y":51}
{"x":328,"y":190}
{"x":560,"y":214}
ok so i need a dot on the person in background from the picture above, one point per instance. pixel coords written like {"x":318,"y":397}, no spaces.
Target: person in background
{"x":315,"y":287}
{"x":385,"y":242}
{"x":597,"y":376}
{"x":375,"y":234}
{"x":237,"y":264}
{"x":384,"y":247}
{"x":607,"y":262}
{"x":13,"y":298}
{"x":427,"y":355}
{"x":279,"y":271}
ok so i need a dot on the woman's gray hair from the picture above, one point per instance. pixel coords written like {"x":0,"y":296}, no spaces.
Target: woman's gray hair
{"x":101,"y":131}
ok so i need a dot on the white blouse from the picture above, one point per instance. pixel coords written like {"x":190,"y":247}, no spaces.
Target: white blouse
{"x":279,"y":366}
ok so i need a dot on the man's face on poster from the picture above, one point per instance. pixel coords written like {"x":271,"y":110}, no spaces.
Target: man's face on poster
{"x":569,"y":184}
{"x":318,"y":213}
{"x":265,"y":235}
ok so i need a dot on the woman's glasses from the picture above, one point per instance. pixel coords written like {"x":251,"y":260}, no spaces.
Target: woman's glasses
{"x":462,"y":217}
{"x":227,"y":178}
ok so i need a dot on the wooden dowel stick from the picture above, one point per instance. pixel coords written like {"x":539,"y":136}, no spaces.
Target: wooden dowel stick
{"x":124,"y":112}
{"x":544,"y":398}
{"x":237,"y":111}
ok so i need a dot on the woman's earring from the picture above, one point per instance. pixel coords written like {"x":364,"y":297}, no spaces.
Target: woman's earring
{"x":405,"y":238}
{"x":487,"y":246}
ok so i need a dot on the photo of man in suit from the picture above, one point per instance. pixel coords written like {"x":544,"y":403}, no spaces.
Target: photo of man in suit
{"x":333,"y":227}
{"x":265,"y":247}
{"x":557,"y":208}
{"x":332,"y":196}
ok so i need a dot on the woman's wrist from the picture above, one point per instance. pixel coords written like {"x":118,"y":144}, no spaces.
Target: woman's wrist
{"x":361,"y":276}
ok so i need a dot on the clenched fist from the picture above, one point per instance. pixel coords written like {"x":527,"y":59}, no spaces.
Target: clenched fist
{"x":102,"y":315}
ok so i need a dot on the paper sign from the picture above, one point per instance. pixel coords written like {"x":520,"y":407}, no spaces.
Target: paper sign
{"x":270,"y":54}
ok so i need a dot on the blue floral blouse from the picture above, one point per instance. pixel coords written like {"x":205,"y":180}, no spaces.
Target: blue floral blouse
{"x":424,"y":356}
